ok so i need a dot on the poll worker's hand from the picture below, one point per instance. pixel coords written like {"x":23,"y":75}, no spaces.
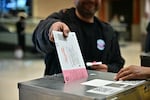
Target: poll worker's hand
{"x":58,"y":26}
{"x":100,"y":67}
{"x":131,"y":72}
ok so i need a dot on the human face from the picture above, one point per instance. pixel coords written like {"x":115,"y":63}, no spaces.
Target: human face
{"x":87,"y":8}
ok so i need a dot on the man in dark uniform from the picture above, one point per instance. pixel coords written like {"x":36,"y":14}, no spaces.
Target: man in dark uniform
{"x":97,"y":40}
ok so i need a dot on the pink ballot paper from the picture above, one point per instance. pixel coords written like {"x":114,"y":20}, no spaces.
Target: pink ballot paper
{"x":70,"y":57}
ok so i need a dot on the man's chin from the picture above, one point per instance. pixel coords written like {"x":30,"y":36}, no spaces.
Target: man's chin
{"x":88,"y":15}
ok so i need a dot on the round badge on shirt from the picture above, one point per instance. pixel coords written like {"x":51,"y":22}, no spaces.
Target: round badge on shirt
{"x":100,"y":44}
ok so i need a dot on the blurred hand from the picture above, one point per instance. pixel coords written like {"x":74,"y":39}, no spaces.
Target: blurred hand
{"x":58,"y":26}
{"x":100,"y":67}
{"x":131,"y":72}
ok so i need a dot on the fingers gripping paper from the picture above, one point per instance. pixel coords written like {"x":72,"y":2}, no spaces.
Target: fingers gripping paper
{"x":70,"y":57}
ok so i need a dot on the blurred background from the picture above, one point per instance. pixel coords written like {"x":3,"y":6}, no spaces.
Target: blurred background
{"x":126,"y":17}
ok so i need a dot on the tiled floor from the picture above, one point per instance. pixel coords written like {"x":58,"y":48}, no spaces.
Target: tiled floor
{"x":13,"y":71}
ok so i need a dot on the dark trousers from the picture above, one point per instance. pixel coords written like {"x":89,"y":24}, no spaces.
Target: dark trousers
{"x":21,"y":41}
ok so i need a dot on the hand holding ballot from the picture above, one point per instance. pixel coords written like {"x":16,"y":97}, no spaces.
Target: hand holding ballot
{"x":58,"y":26}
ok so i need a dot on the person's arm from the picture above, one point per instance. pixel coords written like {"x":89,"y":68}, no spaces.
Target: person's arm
{"x":116,"y":60}
{"x":41,"y":36}
{"x":133,"y":72}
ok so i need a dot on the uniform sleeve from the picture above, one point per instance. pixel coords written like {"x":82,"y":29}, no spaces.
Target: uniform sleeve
{"x":40,"y":36}
{"x":116,"y":60}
